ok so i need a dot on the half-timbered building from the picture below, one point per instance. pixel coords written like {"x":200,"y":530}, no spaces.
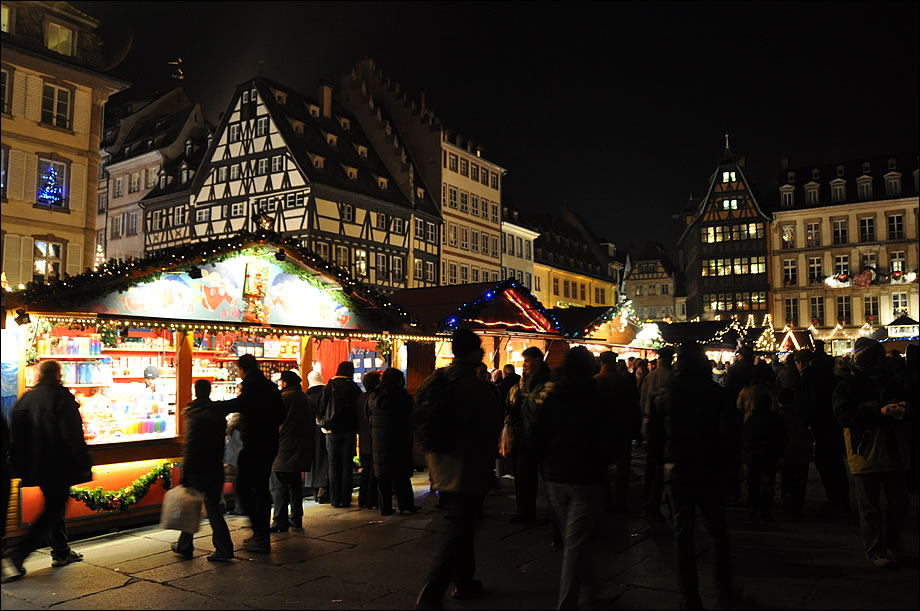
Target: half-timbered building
{"x":303,"y":167}
{"x":724,"y":247}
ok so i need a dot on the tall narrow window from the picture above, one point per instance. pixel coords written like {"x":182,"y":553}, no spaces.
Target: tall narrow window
{"x":792,"y":311}
{"x":844,"y":316}
{"x":814,"y":234}
{"x":899,"y":304}
{"x":46,"y":260}
{"x":841,"y":264}
{"x":840,"y":231}
{"x":897,"y":261}
{"x":815,"y":273}
{"x":5,"y":90}
{"x":361,"y":263}
{"x":867,"y":229}
{"x":870,"y":308}
{"x":817,"y":311}
{"x":895,"y":227}
{"x":56,"y":106}
{"x":52,"y":183}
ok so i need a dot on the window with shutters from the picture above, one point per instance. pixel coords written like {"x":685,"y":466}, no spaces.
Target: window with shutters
{"x":899,"y":304}
{"x":135,"y":184}
{"x":5,"y":90}
{"x":151,"y":177}
{"x":131,"y":222}
{"x":56,"y":106}
{"x":51,"y":189}
{"x":46,"y":260}
{"x":119,"y":187}
{"x":4,"y":164}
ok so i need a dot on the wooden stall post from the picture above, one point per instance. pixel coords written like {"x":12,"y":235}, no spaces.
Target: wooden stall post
{"x":184,"y":343}
{"x":306,"y":360}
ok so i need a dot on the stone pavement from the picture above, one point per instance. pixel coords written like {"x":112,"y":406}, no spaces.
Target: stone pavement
{"x":356,"y":559}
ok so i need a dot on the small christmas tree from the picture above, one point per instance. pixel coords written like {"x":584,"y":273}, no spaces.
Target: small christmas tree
{"x":51,"y":193}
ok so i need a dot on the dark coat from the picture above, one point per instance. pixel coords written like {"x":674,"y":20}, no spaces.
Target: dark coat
{"x":319,"y":472}
{"x":47,"y":438}
{"x":764,"y":435}
{"x":619,"y":394}
{"x":365,"y":439}
{"x":572,"y":432}
{"x":203,"y":448}
{"x":295,"y":437}
{"x":261,"y":413}
{"x":477,"y":418}
{"x":347,"y":403}
{"x":391,"y":416}
{"x":522,"y":405}
{"x":505,"y":386}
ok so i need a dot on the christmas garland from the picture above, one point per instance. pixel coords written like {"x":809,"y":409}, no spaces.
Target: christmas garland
{"x":122,"y":500}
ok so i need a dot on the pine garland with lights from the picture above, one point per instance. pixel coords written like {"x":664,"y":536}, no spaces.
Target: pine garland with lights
{"x":122,"y":500}
{"x":472,"y":310}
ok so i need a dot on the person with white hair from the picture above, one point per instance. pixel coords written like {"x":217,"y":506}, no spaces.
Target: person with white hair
{"x":318,"y":477}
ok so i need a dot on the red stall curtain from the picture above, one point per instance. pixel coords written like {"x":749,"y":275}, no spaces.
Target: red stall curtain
{"x":329,"y":353}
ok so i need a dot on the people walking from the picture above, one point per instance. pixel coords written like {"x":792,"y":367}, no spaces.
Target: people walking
{"x":571,"y":439}
{"x":458,"y":426}
{"x":340,"y":400}
{"x":653,"y":487}
{"x":203,"y":470}
{"x":797,"y":453}
{"x":764,"y":439}
{"x":295,"y":454}
{"x":521,"y":410}
{"x":261,"y":414}
{"x":367,"y":486}
{"x":48,"y":451}
{"x":318,"y":477}
{"x":871,"y":406}
{"x":700,"y":430}
{"x":391,"y":412}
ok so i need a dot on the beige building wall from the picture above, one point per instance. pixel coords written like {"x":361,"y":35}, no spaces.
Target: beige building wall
{"x":30,"y":228}
{"x":652,"y":292}
{"x":517,"y":253}
{"x":471,"y":209}
{"x":550,"y":283}
{"x":801,"y":239}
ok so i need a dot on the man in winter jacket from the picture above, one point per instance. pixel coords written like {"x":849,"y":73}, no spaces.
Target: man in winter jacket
{"x":700,"y":430}
{"x":521,"y":411}
{"x":295,"y":454}
{"x":458,"y":426}
{"x":48,"y":451}
{"x":654,"y":474}
{"x":871,"y":405}
{"x":510,"y":379}
{"x":367,"y":488}
{"x":344,"y":396}
{"x":261,"y":413}
{"x":203,"y":470}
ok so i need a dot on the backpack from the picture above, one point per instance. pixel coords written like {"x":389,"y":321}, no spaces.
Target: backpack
{"x":326,"y":411}
{"x":437,"y":418}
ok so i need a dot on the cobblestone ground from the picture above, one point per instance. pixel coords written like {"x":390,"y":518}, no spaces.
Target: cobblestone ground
{"x":356,"y":559}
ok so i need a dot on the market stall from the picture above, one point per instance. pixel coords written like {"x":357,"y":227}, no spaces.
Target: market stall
{"x":132,"y":338}
{"x":898,"y":334}
{"x":601,"y":329}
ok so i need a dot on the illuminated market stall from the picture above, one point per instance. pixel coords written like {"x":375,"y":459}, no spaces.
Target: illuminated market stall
{"x":600,"y":329}
{"x":898,"y":334}
{"x":132,"y":338}
{"x":720,"y":338}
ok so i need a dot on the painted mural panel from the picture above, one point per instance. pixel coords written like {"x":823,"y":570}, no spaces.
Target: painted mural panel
{"x":250,"y":287}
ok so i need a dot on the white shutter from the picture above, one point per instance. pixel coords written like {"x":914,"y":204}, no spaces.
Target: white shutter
{"x":19,"y":93}
{"x":31,"y":180}
{"x":74,"y":263}
{"x":81,"y":112}
{"x":33,"y":97}
{"x":11,"y":258}
{"x":25,"y":260}
{"x":17,"y":174}
{"x":77,"y":187}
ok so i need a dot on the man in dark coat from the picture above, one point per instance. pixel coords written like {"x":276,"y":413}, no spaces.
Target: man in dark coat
{"x":391,"y":408}
{"x":653,"y":486}
{"x":510,"y":379}
{"x":319,"y":474}
{"x":295,"y":454}
{"x":203,"y":469}
{"x":261,"y":414}
{"x":459,"y":422}
{"x":521,"y":412}
{"x":344,"y":395}
{"x":367,"y":488}
{"x":48,"y":451}
{"x":700,"y":431}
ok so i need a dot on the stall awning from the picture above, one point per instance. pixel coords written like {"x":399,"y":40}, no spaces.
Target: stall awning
{"x":259,"y":279}
{"x":485,"y":305}
{"x":712,"y":333}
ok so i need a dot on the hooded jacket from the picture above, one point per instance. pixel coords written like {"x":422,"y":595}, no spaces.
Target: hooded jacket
{"x":295,"y":437}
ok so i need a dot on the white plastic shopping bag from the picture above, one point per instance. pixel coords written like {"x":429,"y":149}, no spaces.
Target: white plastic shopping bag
{"x":181,"y":509}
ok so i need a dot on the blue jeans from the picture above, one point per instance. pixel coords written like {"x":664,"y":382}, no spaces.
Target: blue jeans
{"x":577,"y":508}
{"x":341,"y":448}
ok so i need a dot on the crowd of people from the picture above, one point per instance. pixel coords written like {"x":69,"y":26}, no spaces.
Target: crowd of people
{"x":711,"y":435}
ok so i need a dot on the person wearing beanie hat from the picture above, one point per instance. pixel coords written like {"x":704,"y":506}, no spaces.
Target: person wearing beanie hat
{"x":295,"y":454}
{"x":871,"y":405}
{"x":458,"y":425}
{"x":318,"y":477}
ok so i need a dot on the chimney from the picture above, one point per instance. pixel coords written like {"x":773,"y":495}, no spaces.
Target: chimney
{"x":325,"y":98}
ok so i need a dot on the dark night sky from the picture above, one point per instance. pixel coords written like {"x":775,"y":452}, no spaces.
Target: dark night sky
{"x":614,"y":110}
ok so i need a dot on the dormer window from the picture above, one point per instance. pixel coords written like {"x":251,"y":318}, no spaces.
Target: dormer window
{"x":362,"y":151}
{"x":246,"y":97}
{"x":864,"y":184}
{"x":787,"y":196}
{"x":318,"y":162}
{"x":188,"y":149}
{"x":127,"y":149}
{"x":184,"y":175}
{"x":893,"y":185}
{"x":60,"y":39}
{"x":892,"y":164}
{"x":313,"y":110}
{"x":811,"y":193}
{"x":345,"y":123}
{"x":280,"y":98}
{"x":253,"y":95}
{"x":351,"y":172}
{"x":150,"y":144}
{"x":838,"y":191}
{"x":297,"y":126}
{"x":382,"y":182}
{"x":866,"y":167}
{"x":162,"y":181}
{"x":331,"y":139}
{"x":420,"y":193}
{"x":815,"y":174}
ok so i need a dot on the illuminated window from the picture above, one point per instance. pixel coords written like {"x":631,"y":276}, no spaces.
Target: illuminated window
{"x":788,"y":236}
{"x":46,"y":260}
{"x":5,"y":18}
{"x":899,"y":304}
{"x":52,"y":183}
{"x":361,"y":263}
{"x":60,"y":39}
{"x":758,"y":265}
{"x":814,"y":234}
{"x":897,"y":261}
{"x":728,"y":177}
{"x":729,"y":204}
